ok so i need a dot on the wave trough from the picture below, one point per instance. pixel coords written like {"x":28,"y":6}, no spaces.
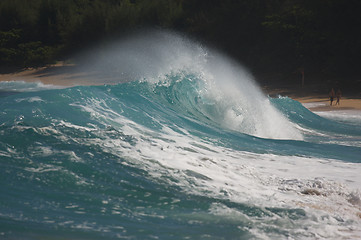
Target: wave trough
{"x":188,"y":147}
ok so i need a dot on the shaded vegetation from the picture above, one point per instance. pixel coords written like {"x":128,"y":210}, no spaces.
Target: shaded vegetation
{"x":269,"y":36}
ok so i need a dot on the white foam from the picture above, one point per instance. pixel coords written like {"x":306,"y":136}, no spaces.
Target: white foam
{"x":352,"y":116}
{"x":314,"y":104}
{"x":244,"y":107}
{"x":30,"y":99}
{"x":241,"y":104}
{"x":22,"y":86}
{"x":327,"y":190}
{"x":257,"y":179}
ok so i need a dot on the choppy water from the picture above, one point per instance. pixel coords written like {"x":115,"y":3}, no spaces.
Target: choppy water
{"x":194,"y":152}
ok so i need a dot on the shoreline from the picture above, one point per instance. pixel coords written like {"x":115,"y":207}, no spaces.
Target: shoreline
{"x":68,"y":75}
{"x":60,"y":74}
{"x":315,"y":100}
{"x":319,"y":104}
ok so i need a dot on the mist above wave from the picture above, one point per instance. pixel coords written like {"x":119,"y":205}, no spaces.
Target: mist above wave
{"x":156,"y":56}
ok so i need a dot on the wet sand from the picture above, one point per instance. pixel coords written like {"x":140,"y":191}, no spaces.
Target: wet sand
{"x":323,"y":104}
{"x":67,"y":75}
{"x":315,"y":99}
{"x":60,"y":74}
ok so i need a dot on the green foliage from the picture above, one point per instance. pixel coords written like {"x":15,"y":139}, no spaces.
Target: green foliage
{"x":35,"y":54}
{"x":15,"y":53}
{"x":322,"y":35}
{"x":273,"y":35}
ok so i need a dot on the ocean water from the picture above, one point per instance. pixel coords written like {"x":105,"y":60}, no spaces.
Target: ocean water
{"x":188,"y":148}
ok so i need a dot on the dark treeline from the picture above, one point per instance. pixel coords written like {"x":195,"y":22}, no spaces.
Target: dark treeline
{"x":268,"y":36}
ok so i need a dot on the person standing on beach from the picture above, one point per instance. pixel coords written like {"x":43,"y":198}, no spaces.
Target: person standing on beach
{"x":332,"y":96}
{"x":338,"y":97}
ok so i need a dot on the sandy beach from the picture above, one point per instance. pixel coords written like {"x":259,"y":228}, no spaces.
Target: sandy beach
{"x":68,"y":75}
{"x":319,"y":104}
{"x":101,"y":140}
{"x":60,"y":74}
{"x":313,"y":98}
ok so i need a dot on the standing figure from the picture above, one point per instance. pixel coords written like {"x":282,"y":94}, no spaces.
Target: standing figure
{"x":332,"y":96}
{"x":338,"y":97}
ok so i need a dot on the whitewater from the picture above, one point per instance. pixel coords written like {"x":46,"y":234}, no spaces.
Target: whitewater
{"x":173,"y":140}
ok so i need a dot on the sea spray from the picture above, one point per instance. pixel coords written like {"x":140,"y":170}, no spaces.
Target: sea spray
{"x":175,"y":154}
{"x":162,"y":57}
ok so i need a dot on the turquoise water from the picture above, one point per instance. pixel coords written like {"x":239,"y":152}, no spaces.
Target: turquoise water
{"x":88,"y":163}
{"x":181,"y":156}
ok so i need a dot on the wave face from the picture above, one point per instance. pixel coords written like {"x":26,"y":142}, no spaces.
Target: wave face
{"x":192,"y":149}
